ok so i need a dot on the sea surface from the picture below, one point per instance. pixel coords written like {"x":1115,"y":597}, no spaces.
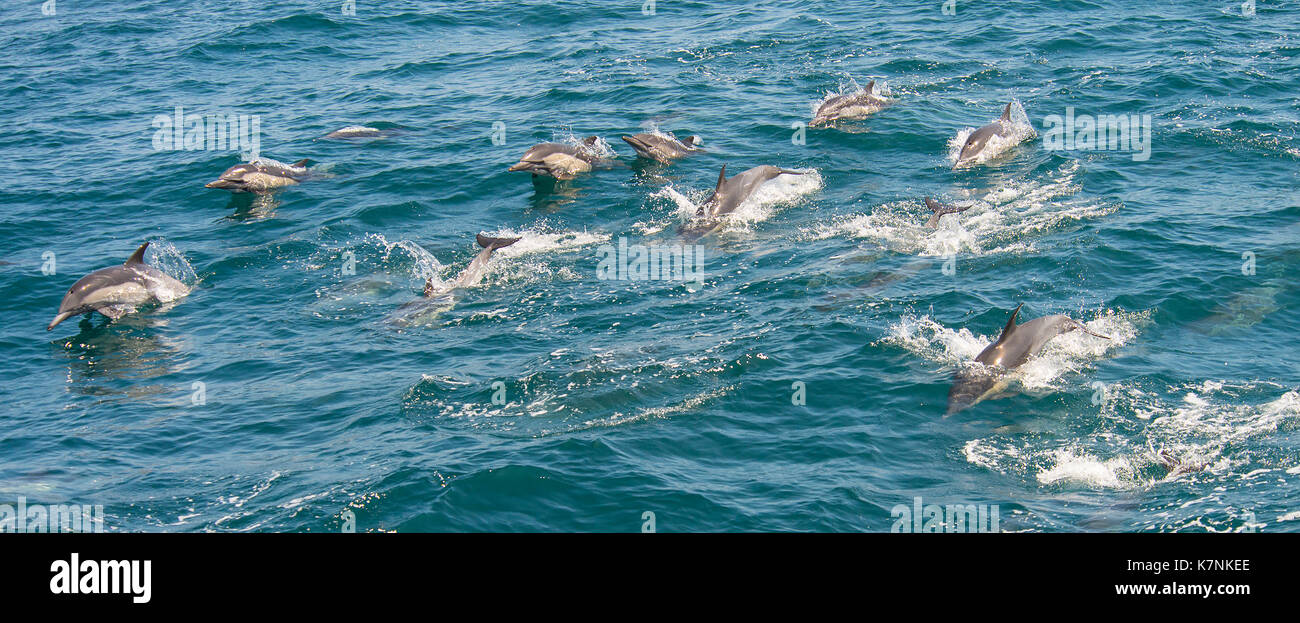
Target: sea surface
{"x":798,"y":384}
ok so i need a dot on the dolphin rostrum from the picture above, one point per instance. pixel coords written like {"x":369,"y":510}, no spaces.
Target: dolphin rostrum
{"x":939,"y":210}
{"x":260,"y":176}
{"x":848,"y":106}
{"x":558,"y":160}
{"x":117,"y":290}
{"x":979,"y":139}
{"x":663,"y":148}
{"x":1011,"y":350}
{"x":436,"y":299}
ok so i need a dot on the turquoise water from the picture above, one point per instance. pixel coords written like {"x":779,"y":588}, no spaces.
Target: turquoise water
{"x":677,"y":398}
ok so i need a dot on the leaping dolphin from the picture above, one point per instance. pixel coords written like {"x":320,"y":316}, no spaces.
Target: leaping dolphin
{"x":979,"y":139}
{"x":730,"y":193}
{"x":663,"y":148}
{"x":1011,"y":350}
{"x":848,"y":106}
{"x":939,"y":210}
{"x":117,"y":290}
{"x":558,"y":160}
{"x":435,"y":299}
{"x":260,"y":176}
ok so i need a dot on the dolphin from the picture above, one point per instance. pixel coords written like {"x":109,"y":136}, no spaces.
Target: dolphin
{"x":848,"y":106}
{"x":357,"y":131}
{"x":729,"y":194}
{"x":939,"y":210}
{"x":436,"y":299}
{"x":662,"y":148}
{"x":260,"y":176}
{"x":558,"y":160}
{"x":978,"y":140}
{"x":117,"y":290}
{"x":1011,"y":350}
{"x":1177,"y":466}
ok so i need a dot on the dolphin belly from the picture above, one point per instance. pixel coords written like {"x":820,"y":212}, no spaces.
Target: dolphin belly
{"x":564,"y":166}
{"x":260,"y":182}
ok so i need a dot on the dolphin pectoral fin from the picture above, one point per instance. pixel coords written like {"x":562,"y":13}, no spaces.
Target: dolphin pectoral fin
{"x":115,"y":312}
{"x":138,"y":256}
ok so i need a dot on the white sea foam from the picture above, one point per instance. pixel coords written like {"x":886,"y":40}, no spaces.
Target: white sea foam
{"x":998,"y":221}
{"x":1063,"y":355}
{"x":1200,"y":427}
{"x":779,"y":192}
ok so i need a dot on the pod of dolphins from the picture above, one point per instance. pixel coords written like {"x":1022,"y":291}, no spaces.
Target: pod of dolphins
{"x":118,"y":290}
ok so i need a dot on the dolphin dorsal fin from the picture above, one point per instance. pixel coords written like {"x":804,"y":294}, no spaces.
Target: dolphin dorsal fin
{"x":1011,"y":324}
{"x":1006,"y":113}
{"x":871,"y":86}
{"x":300,"y":163}
{"x":138,"y":256}
{"x":428,"y":287}
{"x":722,"y":179}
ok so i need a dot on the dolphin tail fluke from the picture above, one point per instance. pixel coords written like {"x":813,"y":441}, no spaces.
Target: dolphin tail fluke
{"x":1006,"y":113}
{"x":940,"y":209}
{"x":138,"y":256}
{"x":488,"y":242}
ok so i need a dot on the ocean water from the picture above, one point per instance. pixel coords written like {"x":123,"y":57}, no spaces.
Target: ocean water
{"x":276,"y":397}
